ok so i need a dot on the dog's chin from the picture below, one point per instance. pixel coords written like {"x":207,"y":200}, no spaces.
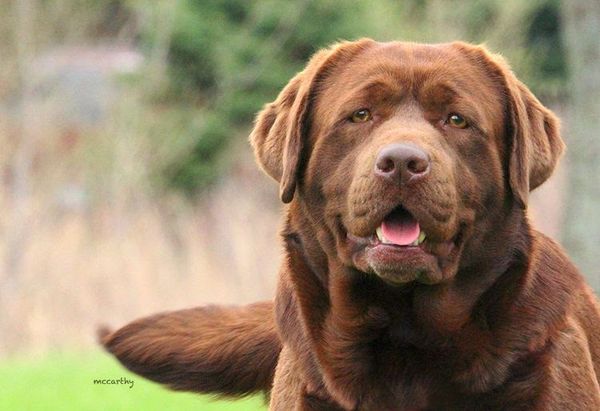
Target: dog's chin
{"x":401,"y":265}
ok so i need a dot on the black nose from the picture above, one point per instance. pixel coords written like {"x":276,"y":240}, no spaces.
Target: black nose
{"x":402,"y":162}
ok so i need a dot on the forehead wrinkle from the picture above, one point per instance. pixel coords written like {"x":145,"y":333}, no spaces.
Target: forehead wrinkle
{"x":365,"y":79}
{"x":379,"y":83}
{"x":383,"y":72}
{"x":411,"y":68}
{"x":472,"y":92}
{"x":376,"y":88}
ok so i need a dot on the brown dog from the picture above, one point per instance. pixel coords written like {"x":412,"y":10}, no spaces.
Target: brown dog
{"x":412,"y":278}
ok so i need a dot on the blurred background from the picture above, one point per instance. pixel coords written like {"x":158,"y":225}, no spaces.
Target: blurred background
{"x":126,"y":182}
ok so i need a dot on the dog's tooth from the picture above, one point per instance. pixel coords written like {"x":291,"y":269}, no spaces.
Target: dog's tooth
{"x":421,"y":238}
{"x":380,"y":235}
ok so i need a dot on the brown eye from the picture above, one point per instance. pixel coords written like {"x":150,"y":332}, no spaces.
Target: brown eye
{"x":456,"y":120}
{"x":361,"y":116}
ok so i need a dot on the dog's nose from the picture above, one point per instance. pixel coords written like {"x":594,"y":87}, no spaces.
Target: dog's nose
{"x":402,"y":163}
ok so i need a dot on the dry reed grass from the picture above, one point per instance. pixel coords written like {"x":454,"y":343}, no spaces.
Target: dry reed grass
{"x":85,"y":238}
{"x":112,"y":263}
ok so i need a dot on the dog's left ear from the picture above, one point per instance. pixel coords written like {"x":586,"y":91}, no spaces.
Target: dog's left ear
{"x":281,"y":128}
{"x":536,"y":144}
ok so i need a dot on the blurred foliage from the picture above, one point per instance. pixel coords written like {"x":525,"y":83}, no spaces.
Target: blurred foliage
{"x":226,"y":58}
{"x":233,"y":56}
{"x":544,"y":36}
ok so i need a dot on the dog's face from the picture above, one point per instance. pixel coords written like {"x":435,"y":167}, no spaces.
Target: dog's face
{"x":407,"y":159}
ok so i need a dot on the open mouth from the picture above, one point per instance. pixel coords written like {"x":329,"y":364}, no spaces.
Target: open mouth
{"x":399,"y":251}
{"x":399,"y":228}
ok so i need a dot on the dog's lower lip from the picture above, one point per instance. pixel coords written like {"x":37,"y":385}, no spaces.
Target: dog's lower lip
{"x":374,"y":242}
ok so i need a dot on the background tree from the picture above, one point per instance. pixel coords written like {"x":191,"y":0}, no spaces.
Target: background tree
{"x":582,"y":219}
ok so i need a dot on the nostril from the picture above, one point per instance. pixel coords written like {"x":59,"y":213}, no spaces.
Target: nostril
{"x":417,"y":165}
{"x":386,"y":165}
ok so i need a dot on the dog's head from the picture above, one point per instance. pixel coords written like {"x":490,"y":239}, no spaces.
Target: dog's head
{"x":407,"y":159}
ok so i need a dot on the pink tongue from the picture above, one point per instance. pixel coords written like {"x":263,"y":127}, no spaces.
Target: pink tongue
{"x":400,"y":228}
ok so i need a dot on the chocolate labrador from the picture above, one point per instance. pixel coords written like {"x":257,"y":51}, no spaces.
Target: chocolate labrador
{"x":412,"y":277}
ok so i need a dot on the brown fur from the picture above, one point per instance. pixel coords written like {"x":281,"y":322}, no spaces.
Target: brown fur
{"x":488,"y":315}
{"x":229,"y":350}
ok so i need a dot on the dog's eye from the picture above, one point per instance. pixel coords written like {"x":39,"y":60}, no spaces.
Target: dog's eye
{"x":456,"y":120}
{"x":361,"y":116}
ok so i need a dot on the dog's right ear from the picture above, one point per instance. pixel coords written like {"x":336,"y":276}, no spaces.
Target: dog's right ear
{"x":281,"y":128}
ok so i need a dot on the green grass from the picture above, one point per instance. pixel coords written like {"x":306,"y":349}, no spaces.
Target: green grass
{"x":66,"y":382}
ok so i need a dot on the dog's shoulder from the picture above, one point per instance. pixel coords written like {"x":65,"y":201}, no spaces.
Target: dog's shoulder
{"x":556,"y":275}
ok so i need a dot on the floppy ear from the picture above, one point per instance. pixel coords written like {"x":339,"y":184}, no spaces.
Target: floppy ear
{"x":281,"y":128}
{"x":536,"y":144}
